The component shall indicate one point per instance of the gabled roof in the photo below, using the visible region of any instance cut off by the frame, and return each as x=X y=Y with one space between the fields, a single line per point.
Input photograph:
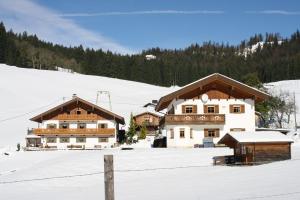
x=198 y=87
x=39 y=118
x=255 y=137
x=144 y=113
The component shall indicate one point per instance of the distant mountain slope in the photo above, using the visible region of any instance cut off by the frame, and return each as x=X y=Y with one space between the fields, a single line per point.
x=278 y=59
x=27 y=92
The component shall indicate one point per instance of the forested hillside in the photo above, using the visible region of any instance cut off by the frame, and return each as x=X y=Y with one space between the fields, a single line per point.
x=272 y=62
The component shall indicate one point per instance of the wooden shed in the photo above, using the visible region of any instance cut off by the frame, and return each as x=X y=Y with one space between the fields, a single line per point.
x=258 y=147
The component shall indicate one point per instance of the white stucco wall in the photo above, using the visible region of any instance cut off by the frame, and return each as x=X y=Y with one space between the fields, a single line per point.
x=232 y=120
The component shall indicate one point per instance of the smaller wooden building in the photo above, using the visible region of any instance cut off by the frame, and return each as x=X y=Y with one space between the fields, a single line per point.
x=258 y=147
x=150 y=120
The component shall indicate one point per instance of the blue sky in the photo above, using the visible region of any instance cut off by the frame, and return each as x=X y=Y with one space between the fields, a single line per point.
x=128 y=26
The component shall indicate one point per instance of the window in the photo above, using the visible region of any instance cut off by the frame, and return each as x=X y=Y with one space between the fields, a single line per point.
x=238 y=108
x=103 y=139
x=51 y=140
x=237 y=129
x=51 y=126
x=64 y=140
x=171 y=133
x=146 y=119
x=64 y=125
x=102 y=125
x=68 y=112
x=89 y=112
x=81 y=125
x=81 y=140
x=181 y=133
x=211 y=108
x=78 y=112
x=211 y=133
x=188 y=109
x=191 y=134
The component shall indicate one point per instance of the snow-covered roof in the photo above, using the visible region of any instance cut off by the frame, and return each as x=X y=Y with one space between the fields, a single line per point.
x=261 y=136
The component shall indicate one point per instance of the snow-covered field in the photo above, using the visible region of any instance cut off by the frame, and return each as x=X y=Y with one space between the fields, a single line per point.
x=153 y=173
x=176 y=174
x=27 y=92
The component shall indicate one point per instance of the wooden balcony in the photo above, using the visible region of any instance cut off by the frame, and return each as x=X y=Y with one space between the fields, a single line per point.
x=82 y=117
x=194 y=119
x=86 y=131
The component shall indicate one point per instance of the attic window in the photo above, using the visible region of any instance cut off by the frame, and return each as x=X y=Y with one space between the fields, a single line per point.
x=78 y=112
x=68 y=112
x=89 y=112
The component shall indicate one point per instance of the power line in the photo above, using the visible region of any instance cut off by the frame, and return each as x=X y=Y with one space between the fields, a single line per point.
x=29 y=112
x=268 y=196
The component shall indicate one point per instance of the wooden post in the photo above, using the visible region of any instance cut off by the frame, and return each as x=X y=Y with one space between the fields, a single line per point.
x=109 y=177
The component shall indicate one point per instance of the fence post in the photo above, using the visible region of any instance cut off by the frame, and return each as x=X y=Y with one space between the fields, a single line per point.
x=109 y=177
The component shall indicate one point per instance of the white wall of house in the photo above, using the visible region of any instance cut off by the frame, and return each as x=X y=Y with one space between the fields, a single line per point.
x=91 y=141
x=244 y=120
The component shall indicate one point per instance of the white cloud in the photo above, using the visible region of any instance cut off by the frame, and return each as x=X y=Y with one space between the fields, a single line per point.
x=21 y=15
x=274 y=12
x=145 y=12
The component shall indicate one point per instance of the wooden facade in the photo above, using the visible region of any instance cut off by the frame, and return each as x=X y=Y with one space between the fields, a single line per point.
x=258 y=151
x=150 y=120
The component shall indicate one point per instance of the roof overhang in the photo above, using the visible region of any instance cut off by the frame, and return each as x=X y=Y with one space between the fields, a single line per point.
x=39 y=118
x=198 y=87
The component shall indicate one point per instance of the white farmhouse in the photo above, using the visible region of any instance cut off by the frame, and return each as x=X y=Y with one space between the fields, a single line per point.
x=208 y=109
x=76 y=124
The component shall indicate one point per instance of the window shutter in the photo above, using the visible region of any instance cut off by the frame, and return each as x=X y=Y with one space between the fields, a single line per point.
x=217 y=132
x=230 y=108
x=216 y=108
x=205 y=132
x=242 y=108
x=194 y=108
x=205 y=109
x=183 y=109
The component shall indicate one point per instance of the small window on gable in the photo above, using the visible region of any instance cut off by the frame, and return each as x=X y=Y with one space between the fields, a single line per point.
x=89 y=112
x=64 y=125
x=78 y=112
x=82 y=125
x=102 y=125
x=68 y=112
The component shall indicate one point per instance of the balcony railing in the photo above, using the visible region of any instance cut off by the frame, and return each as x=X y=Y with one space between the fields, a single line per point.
x=86 y=117
x=85 y=131
x=194 y=119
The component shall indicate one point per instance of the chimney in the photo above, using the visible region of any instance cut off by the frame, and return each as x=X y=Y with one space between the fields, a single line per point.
x=74 y=96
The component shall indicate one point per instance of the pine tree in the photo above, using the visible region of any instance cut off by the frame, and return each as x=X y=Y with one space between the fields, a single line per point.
x=143 y=132
x=3 y=43
x=131 y=130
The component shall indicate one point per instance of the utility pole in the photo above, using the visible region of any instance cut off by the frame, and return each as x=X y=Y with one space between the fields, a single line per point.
x=295 y=112
x=109 y=177
x=108 y=94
